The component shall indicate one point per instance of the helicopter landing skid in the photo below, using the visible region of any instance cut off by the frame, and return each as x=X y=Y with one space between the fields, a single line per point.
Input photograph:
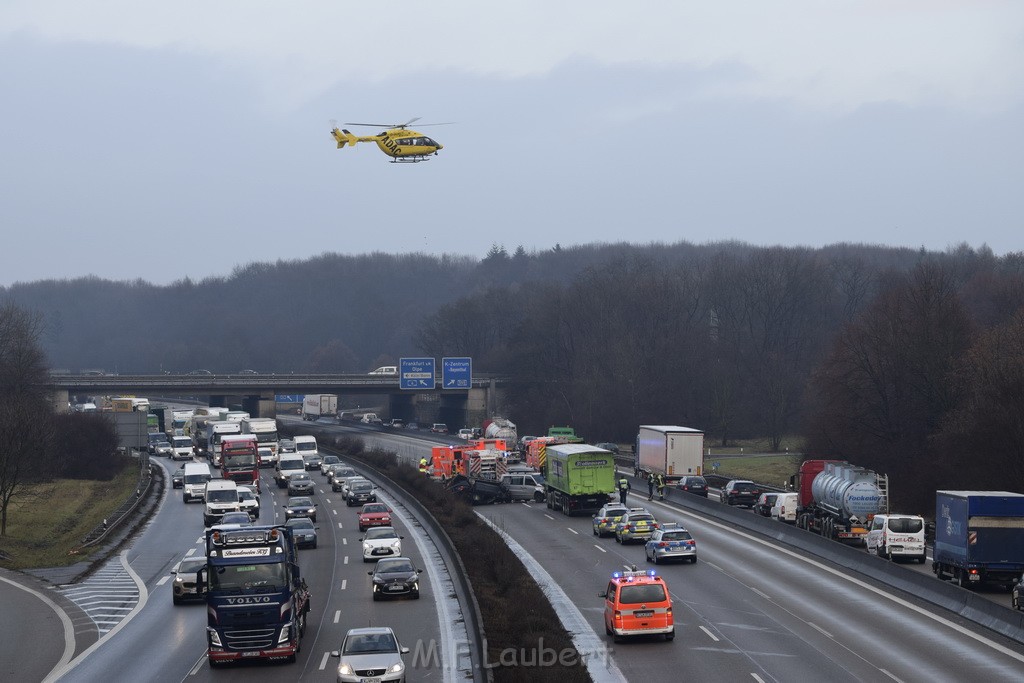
x=410 y=160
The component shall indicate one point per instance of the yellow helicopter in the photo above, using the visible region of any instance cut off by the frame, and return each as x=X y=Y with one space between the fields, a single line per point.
x=398 y=141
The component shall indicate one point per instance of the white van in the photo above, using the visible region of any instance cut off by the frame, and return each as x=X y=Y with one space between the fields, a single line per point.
x=390 y=370
x=194 y=481
x=287 y=465
x=784 y=509
x=181 y=448
x=221 y=497
x=894 y=536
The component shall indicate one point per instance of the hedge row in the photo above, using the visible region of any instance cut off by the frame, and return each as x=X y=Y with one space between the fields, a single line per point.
x=519 y=622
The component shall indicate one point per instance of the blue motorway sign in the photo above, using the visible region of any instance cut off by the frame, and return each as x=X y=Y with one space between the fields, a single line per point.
x=456 y=373
x=288 y=398
x=416 y=373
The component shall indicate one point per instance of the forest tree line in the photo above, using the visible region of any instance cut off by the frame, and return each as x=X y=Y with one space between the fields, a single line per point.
x=905 y=361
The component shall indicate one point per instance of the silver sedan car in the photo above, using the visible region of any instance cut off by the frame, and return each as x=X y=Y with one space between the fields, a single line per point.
x=671 y=542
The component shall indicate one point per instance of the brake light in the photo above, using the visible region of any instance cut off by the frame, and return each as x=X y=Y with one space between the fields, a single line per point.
x=626 y=527
x=663 y=544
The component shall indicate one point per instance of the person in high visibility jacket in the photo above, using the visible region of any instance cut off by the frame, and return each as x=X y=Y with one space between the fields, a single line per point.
x=423 y=465
x=623 y=489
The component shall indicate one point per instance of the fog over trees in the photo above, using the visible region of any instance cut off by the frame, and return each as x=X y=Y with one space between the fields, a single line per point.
x=909 y=362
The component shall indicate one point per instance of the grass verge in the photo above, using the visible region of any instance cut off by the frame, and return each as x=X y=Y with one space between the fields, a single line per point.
x=764 y=469
x=47 y=521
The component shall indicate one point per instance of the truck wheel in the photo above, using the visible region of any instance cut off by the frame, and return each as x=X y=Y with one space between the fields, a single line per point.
x=302 y=625
x=961 y=579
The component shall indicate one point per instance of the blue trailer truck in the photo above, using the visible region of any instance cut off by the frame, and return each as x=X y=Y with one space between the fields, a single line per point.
x=256 y=600
x=979 y=537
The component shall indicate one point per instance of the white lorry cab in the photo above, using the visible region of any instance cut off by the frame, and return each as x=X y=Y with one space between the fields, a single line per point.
x=181 y=448
x=194 y=481
x=221 y=497
x=287 y=465
x=896 y=536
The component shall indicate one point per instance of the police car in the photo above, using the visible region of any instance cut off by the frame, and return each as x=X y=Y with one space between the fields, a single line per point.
x=607 y=518
x=637 y=603
x=669 y=542
x=636 y=525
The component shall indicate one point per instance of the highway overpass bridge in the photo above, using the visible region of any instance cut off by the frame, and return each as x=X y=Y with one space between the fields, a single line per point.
x=256 y=393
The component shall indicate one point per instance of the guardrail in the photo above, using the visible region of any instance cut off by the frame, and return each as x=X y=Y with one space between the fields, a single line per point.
x=124 y=511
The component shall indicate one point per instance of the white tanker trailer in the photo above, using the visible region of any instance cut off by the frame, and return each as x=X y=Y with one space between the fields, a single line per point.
x=838 y=500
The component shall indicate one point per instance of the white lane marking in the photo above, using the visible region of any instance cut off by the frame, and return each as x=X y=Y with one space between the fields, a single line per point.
x=602 y=669
x=191 y=552
x=344 y=541
x=600 y=548
x=143 y=599
x=195 y=667
x=163 y=580
x=323 y=662
x=200 y=540
x=573 y=530
x=345 y=560
x=344 y=584
x=334 y=511
x=757 y=678
x=327 y=500
x=549 y=516
x=65 y=620
x=857 y=582
x=339 y=525
x=711 y=635
x=763 y=595
x=815 y=626
x=891 y=676
x=337 y=616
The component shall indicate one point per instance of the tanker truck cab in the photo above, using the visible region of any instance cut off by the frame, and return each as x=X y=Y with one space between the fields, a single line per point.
x=897 y=536
x=637 y=603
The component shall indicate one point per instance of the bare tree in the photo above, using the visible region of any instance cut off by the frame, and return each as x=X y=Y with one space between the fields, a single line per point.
x=24 y=407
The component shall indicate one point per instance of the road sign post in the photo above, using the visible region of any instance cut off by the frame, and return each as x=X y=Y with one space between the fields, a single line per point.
x=456 y=373
x=416 y=373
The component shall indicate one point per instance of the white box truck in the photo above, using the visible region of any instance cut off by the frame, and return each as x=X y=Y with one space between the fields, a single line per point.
x=315 y=406
x=265 y=430
x=670 y=451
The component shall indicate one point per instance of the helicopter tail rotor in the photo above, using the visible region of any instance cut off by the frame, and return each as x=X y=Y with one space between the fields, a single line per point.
x=344 y=137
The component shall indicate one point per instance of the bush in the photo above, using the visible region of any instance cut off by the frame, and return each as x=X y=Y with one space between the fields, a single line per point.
x=85 y=447
x=516 y=615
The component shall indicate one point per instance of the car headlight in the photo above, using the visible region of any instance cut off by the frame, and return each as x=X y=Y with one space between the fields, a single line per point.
x=396 y=545
x=310 y=510
x=345 y=670
x=214 y=638
x=286 y=632
x=395 y=668
x=366 y=546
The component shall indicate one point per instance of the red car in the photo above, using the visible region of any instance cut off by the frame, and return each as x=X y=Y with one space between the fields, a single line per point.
x=374 y=514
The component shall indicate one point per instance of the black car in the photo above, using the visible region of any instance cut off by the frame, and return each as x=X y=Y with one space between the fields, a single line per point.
x=303 y=531
x=740 y=492
x=765 y=503
x=608 y=446
x=696 y=485
x=395 y=576
x=300 y=506
x=360 y=492
x=178 y=478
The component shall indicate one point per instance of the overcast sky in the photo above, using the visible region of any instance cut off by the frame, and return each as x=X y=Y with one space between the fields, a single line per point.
x=160 y=140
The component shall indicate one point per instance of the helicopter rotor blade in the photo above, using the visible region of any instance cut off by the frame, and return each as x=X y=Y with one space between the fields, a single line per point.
x=371 y=125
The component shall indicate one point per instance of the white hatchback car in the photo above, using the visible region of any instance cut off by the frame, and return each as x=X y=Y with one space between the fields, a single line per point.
x=381 y=541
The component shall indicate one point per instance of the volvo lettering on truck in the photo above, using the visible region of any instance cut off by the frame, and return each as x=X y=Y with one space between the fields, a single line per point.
x=256 y=599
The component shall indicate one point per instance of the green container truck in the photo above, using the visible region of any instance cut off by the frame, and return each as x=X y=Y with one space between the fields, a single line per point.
x=579 y=478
